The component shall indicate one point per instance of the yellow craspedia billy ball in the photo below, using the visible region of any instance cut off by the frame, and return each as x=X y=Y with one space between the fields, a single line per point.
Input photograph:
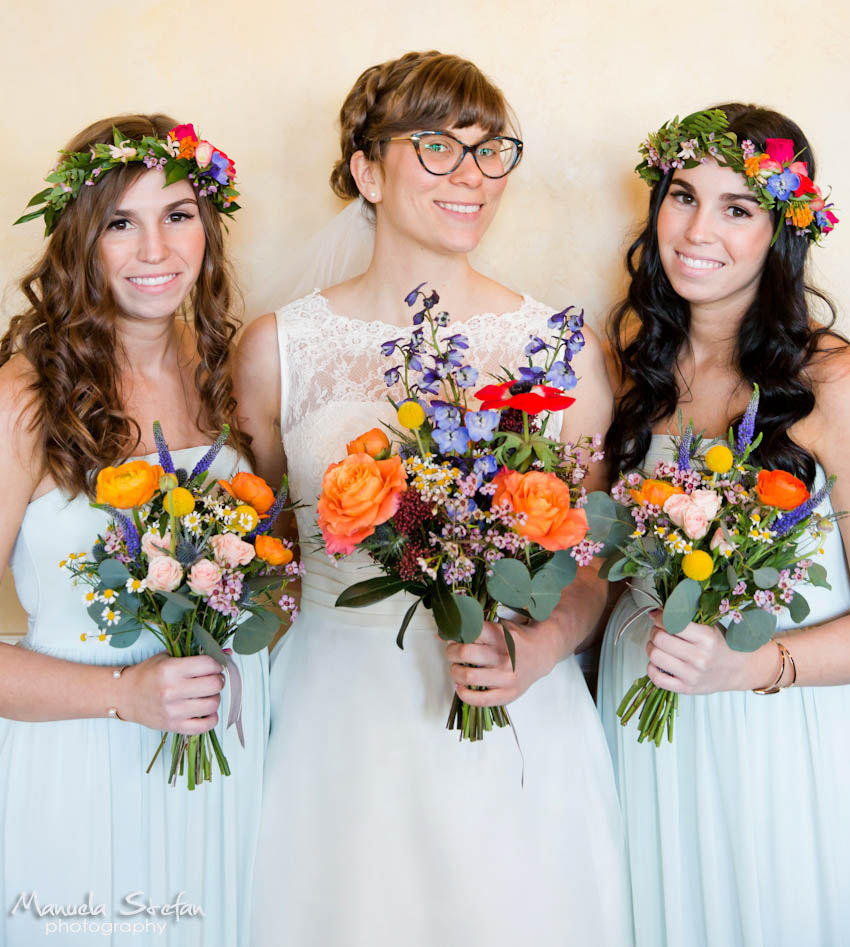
x=246 y=518
x=179 y=502
x=698 y=565
x=719 y=459
x=411 y=415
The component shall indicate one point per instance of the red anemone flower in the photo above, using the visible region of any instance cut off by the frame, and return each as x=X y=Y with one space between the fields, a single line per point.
x=523 y=396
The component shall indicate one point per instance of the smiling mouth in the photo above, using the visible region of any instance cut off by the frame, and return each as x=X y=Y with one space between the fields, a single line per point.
x=697 y=264
x=459 y=208
x=152 y=280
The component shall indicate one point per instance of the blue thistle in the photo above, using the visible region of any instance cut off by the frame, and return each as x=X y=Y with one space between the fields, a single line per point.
x=272 y=513
x=203 y=465
x=748 y=422
x=128 y=528
x=683 y=461
x=164 y=453
x=785 y=523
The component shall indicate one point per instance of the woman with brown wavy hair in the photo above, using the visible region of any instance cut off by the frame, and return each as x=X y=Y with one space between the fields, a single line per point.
x=128 y=321
x=378 y=827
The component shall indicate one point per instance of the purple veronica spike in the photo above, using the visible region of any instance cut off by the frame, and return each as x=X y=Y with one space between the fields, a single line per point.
x=748 y=422
x=684 y=460
x=128 y=528
x=272 y=513
x=165 y=460
x=785 y=523
x=203 y=465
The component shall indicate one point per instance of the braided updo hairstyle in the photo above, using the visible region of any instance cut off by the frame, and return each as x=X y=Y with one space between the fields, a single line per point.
x=418 y=91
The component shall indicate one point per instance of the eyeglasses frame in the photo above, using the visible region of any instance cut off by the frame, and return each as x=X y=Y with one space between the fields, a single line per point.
x=415 y=136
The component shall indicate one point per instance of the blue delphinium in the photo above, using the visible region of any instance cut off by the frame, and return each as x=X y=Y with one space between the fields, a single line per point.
x=466 y=377
x=783 y=185
x=560 y=375
x=455 y=440
x=413 y=295
x=482 y=425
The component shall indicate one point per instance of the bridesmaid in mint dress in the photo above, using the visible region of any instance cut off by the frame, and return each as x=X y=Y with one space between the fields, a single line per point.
x=738 y=832
x=97 y=357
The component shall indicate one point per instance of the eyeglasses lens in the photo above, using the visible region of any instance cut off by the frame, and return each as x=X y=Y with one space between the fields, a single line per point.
x=440 y=154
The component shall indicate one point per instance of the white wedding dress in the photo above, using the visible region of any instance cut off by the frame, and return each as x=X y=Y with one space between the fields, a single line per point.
x=82 y=822
x=738 y=831
x=379 y=827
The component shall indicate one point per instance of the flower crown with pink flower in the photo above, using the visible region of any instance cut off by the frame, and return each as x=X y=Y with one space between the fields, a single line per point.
x=181 y=155
x=777 y=179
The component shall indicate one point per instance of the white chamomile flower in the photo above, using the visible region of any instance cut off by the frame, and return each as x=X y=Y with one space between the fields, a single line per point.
x=226 y=515
x=107 y=596
x=110 y=616
x=193 y=522
x=90 y=597
x=135 y=585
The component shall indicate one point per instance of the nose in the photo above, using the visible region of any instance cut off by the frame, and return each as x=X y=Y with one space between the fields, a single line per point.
x=700 y=225
x=467 y=172
x=153 y=247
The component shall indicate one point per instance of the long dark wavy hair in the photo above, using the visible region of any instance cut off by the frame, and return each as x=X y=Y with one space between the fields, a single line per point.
x=776 y=342
x=68 y=333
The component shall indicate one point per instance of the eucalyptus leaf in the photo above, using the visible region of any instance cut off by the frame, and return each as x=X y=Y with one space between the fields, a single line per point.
x=562 y=566
x=681 y=606
x=471 y=617
x=608 y=522
x=172 y=613
x=766 y=577
x=799 y=608
x=608 y=565
x=817 y=576
x=113 y=573
x=128 y=602
x=445 y=611
x=256 y=633
x=366 y=593
x=755 y=628
x=510 y=583
x=125 y=637
x=179 y=600
x=209 y=644
x=545 y=595
x=617 y=570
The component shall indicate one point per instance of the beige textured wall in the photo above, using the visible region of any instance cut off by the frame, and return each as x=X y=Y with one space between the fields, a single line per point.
x=265 y=78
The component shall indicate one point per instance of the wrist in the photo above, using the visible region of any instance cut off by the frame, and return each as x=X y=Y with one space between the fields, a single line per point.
x=117 y=705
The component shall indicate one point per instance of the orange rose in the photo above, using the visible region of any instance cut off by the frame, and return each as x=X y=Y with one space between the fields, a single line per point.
x=656 y=492
x=358 y=494
x=272 y=551
x=250 y=489
x=545 y=499
x=374 y=443
x=129 y=485
x=780 y=489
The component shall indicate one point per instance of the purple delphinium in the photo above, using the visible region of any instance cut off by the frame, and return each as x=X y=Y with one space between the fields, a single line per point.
x=165 y=460
x=412 y=296
x=203 y=465
x=531 y=374
x=748 y=422
x=535 y=345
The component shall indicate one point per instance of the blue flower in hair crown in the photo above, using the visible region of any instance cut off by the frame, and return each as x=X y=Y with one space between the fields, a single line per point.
x=181 y=155
x=778 y=180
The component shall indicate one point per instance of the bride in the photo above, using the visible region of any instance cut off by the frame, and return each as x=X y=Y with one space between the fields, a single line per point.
x=379 y=827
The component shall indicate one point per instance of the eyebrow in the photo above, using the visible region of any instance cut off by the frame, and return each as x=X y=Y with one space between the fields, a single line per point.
x=168 y=208
x=723 y=197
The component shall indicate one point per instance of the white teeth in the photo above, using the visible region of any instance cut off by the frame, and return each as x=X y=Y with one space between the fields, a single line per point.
x=699 y=264
x=152 y=280
x=460 y=208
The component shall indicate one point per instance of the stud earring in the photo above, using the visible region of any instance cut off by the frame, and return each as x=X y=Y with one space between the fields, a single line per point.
x=373 y=195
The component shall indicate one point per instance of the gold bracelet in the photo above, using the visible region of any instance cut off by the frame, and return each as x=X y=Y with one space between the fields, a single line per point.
x=112 y=712
x=775 y=687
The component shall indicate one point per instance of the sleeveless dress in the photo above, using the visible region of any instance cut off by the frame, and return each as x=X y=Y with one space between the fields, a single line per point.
x=379 y=827
x=82 y=823
x=738 y=832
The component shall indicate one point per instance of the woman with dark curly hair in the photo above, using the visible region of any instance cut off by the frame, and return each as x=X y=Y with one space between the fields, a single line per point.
x=738 y=830
x=129 y=321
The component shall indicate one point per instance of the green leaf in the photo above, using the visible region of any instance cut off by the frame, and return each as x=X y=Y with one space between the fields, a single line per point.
x=709 y=601
x=209 y=644
x=720 y=580
x=113 y=573
x=798 y=609
x=366 y=593
x=681 y=606
x=755 y=628
x=731 y=577
x=510 y=583
x=31 y=216
x=617 y=571
x=545 y=595
x=405 y=622
x=445 y=611
x=766 y=577
x=561 y=567
x=256 y=633
x=471 y=616
x=259 y=582
x=510 y=644
x=817 y=576
x=175 y=171
x=128 y=602
x=608 y=522
x=608 y=565
x=125 y=637
x=172 y=613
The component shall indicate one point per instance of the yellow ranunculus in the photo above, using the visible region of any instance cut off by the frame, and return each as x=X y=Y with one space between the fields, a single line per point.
x=411 y=415
x=719 y=459
x=179 y=502
x=698 y=565
x=128 y=485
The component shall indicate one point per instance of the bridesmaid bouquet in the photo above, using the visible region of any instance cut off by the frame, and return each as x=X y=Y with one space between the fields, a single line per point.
x=472 y=506
x=714 y=540
x=188 y=558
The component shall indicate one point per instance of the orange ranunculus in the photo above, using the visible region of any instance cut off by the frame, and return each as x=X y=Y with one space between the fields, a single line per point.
x=781 y=489
x=272 y=551
x=656 y=492
x=250 y=489
x=545 y=499
x=374 y=443
x=128 y=485
x=358 y=494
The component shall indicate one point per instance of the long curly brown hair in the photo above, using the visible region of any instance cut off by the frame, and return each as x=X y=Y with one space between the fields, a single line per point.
x=68 y=334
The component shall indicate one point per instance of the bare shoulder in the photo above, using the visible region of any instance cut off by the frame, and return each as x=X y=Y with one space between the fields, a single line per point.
x=19 y=437
x=258 y=341
x=829 y=372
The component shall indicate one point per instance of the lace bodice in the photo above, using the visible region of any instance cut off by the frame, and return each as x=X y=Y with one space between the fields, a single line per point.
x=332 y=379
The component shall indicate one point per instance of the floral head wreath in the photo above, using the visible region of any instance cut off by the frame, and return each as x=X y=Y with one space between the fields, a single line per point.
x=181 y=155
x=778 y=181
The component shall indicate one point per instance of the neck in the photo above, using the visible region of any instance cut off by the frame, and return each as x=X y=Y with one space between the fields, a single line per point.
x=713 y=332
x=149 y=347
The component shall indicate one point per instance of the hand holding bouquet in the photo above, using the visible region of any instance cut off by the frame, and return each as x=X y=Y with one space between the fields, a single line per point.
x=718 y=540
x=473 y=506
x=189 y=559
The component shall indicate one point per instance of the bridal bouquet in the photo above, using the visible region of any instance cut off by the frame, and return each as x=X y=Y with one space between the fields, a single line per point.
x=712 y=539
x=472 y=506
x=188 y=558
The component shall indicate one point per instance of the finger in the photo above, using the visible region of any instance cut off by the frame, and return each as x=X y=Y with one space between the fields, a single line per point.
x=670 y=665
x=199 y=665
x=490 y=698
x=197 y=707
x=192 y=725
x=208 y=686
x=479 y=677
x=670 y=644
x=491 y=634
x=665 y=681
x=484 y=655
